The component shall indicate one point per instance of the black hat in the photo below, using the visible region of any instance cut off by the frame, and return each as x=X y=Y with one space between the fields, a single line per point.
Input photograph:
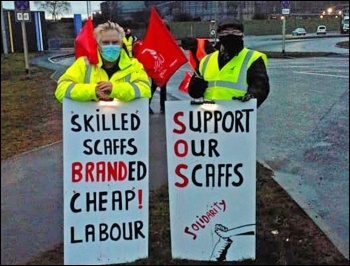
x=230 y=23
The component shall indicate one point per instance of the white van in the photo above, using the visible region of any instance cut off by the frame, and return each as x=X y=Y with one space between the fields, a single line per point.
x=321 y=29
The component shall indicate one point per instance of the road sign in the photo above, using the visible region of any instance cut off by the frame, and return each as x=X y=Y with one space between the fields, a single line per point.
x=22 y=11
x=212 y=32
x=285 y=11
x=22 y=6
x=285 y=4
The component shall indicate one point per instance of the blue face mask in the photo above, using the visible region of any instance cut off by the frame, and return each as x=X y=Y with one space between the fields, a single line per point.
x=110 y=52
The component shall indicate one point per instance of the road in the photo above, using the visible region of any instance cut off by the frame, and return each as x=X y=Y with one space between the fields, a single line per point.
x=298 y=44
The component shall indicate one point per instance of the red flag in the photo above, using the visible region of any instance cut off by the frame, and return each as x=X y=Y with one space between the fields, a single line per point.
x=160 y=54
x=85 y=43
x=185 y=82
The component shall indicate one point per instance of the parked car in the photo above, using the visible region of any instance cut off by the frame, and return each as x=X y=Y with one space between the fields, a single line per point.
x=321 y=29
x=299 y=31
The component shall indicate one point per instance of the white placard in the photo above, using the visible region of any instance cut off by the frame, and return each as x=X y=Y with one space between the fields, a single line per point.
x=106 y=182
x=211 y=152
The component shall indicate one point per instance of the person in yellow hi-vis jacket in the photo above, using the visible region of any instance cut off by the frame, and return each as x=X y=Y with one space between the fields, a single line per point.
x=115 y=76
x=129 y=40
x=234 y=71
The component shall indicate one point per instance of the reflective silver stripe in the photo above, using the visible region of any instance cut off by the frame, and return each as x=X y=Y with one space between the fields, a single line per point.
x=136 y=90
x=228 y=84
x=88 y=71
x=244 y=69
x=205 y=63
x=135 y=86
x=86 y=79
x=64 y=80
x=240 y=84
x=68 y=90
x=148 y=83
x=128 y=78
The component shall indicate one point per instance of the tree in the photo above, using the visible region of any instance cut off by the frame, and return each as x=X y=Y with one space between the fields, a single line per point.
x=54 y=8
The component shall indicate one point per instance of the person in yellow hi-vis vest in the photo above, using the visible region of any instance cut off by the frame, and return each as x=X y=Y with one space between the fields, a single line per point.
x=234 y=72
x=115 y=76
x=129 y=40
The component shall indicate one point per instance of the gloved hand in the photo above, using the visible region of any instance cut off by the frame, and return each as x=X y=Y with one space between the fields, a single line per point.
x=244 y=98
x=247 y=97
x=197 y=86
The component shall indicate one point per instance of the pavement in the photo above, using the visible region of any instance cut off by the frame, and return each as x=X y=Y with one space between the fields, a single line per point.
x=30 y=225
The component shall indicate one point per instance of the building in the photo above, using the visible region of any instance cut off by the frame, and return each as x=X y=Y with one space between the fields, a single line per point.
x=198 y=10
x=214 y=10
x=121 y=10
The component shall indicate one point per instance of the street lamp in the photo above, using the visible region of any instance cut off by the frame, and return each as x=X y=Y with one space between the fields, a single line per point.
x=329 y=10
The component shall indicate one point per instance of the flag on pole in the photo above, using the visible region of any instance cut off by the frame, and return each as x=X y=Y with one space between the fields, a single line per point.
x=159 y=53
x=85 y=43
x=183 y=87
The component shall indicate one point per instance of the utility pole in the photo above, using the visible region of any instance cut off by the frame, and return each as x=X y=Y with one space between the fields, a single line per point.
x=285 y=6
x=4 y=35
x=88 y=8
x=25 y=47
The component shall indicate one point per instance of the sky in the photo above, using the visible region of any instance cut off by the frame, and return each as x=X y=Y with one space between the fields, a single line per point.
x=78 y=7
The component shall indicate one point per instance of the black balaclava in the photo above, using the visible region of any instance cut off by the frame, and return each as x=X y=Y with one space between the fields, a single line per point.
x=232 y=44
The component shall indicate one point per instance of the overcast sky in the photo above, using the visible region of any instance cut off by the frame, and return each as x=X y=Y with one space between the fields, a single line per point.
x=78 y=7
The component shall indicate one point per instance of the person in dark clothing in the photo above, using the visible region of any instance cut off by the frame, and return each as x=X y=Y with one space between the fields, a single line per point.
x=197 y=52
x=162 y=95
x=163 y=89
x=233 y=72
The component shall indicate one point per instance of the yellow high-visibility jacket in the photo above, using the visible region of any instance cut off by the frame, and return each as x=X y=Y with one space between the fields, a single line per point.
x=80 y=80
x=231 y=80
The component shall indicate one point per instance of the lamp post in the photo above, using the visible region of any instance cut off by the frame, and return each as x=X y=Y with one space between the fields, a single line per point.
x=283 y=34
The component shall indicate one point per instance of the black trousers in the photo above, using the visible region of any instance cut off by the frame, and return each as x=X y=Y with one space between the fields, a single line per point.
x=162 y=94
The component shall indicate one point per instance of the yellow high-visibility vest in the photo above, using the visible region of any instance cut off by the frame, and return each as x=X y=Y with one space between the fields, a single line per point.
x=128 y=44
x=231 y=80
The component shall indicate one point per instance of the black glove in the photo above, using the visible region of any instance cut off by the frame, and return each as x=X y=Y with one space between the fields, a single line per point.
x=197 y=86
x=247 y=97
x=244 y=98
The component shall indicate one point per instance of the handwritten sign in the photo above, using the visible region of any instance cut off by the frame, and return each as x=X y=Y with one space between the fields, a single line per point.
x=211 y=152
x=105 y=154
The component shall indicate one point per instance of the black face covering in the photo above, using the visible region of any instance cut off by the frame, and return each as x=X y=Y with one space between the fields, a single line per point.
x=232 y=44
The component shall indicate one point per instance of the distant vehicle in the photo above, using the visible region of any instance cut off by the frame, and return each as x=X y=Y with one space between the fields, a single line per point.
x=345 y=26
x=321 y=29
x=344 y=21
x=299 y=31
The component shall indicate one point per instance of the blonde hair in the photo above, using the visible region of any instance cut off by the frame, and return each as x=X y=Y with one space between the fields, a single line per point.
x=109 y=26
